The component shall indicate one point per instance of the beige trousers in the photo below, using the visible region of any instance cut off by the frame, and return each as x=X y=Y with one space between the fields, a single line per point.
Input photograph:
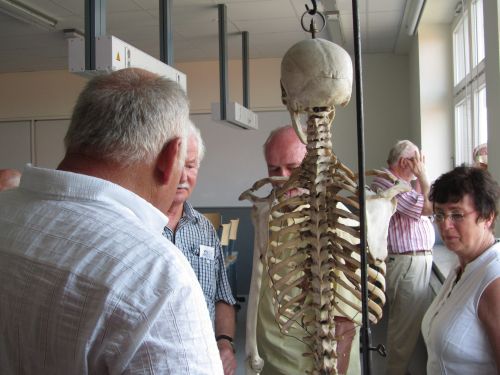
x=408 y=297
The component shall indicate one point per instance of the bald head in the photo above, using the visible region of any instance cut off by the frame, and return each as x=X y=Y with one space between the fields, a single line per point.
x=9 y=178
x=283 y=151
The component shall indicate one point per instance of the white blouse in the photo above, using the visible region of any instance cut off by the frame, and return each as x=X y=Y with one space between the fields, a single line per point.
x=455 y=338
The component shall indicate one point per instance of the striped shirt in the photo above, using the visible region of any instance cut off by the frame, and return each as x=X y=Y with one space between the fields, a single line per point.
x=198 y=240
x=408 y=230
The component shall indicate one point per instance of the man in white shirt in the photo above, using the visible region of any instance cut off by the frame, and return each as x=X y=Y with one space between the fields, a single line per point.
x=88 y=284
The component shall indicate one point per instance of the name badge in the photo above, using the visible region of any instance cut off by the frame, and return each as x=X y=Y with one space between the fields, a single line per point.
x=207 y=252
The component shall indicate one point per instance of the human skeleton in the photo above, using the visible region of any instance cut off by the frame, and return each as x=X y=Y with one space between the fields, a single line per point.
x=312 y=253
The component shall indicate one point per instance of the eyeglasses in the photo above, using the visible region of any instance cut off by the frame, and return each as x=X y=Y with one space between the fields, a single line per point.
x=455 y=217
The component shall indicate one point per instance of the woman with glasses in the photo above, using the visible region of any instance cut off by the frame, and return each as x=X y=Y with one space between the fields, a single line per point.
x=461 y=328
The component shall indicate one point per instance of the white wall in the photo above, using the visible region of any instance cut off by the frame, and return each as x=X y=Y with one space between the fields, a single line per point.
x=436 y=102
x=37 y=95
x=431 y=101
x=387 y=105
x=414 y=87
x=203 y=84
x=234 y=157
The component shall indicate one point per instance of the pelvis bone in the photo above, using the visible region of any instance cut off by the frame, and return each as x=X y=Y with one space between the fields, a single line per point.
x=312 y=252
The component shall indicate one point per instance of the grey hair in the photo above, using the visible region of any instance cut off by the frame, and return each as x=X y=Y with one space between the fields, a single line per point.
x=277 y=131
x=195 y=132
x=402 y=148
x=128 y=116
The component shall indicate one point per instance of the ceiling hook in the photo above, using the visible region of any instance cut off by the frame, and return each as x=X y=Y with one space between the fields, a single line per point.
x=314 y=9
x=312 y=27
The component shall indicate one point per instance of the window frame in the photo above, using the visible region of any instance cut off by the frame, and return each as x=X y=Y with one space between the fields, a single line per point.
x=470 y=128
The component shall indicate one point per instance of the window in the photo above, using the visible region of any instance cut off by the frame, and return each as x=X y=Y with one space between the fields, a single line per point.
x=460 y=49
x=469 y=82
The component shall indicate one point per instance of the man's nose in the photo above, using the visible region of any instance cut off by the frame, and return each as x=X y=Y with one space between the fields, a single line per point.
x=183 y=174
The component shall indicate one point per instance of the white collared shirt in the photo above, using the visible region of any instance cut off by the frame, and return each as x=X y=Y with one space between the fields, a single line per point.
x=89 y=285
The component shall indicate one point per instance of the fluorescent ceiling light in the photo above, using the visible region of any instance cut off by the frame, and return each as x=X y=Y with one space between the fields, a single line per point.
x=27 y=14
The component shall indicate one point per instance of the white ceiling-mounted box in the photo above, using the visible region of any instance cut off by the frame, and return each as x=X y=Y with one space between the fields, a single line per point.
x=115 y=54
x=236 y=114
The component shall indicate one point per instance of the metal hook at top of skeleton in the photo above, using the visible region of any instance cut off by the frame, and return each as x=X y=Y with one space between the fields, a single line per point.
x=313 y=11
x=312 y=25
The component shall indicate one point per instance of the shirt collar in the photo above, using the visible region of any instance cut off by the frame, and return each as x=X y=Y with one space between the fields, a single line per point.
x=189 y=212
x=75 y=186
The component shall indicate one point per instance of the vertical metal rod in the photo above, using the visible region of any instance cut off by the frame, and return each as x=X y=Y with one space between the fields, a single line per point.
x=223 y=59
x=95 y=26
x=166 y=43
x=365 y=329
x=245 y=58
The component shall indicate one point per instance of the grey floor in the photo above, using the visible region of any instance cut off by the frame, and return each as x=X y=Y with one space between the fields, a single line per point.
x=417 y=366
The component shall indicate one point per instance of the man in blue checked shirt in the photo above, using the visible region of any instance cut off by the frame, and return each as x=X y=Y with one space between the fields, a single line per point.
x=191 y=232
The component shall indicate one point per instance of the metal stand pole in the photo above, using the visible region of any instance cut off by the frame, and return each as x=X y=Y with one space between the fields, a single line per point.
x=365 y=328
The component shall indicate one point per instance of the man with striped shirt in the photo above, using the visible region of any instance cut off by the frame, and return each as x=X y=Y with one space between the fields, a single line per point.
x=410 y=241
x=195 y=236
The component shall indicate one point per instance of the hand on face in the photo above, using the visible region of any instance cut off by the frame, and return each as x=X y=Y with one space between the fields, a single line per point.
x=417 y=164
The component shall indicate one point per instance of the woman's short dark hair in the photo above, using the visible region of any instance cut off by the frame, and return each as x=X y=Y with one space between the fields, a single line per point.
x=478 y=183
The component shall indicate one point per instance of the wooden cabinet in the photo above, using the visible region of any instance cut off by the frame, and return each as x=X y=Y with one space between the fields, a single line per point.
x=15 y=144
x=39 y=142
x=49 y=142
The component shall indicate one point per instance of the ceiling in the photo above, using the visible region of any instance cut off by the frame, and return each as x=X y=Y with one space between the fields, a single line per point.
x=273 y=26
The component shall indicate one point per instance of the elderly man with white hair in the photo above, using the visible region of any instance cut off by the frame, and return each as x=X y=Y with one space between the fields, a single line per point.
x=193 y=233
x=410 y=241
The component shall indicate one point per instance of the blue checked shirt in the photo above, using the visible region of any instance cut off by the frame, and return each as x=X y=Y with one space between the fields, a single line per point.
x=193 y=232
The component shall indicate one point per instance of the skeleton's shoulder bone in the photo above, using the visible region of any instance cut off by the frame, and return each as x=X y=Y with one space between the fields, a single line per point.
x=380 y=206
x=399 y=187
x=250 y=194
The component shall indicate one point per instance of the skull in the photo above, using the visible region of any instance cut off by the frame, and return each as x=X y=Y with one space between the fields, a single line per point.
x=315 y=73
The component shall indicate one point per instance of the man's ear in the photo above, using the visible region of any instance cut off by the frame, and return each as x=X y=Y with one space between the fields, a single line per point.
x=489 y=221
x=402 y=163
x=168 y=161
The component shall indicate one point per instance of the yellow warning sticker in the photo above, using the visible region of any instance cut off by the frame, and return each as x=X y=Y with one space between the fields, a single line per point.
x=118 y=56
